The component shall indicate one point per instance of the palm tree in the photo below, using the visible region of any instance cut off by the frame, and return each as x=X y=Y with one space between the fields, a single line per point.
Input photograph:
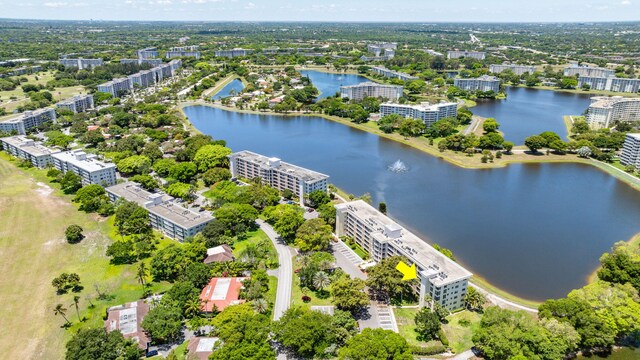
x=192 y=308
x=60 y=310
x=321 y=280
x=325 y=265
x=260 y=305
x=142 y=273
x=76 y=300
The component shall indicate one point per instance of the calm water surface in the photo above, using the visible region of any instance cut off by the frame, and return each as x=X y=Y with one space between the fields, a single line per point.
x=329 y=84
x=234 y=86
x=528 y=112
x=622 y=354
x=534 y=230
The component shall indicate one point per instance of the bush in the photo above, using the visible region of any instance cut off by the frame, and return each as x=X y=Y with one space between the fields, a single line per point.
x=428 y=350
x=73 y=234
x=306 y=298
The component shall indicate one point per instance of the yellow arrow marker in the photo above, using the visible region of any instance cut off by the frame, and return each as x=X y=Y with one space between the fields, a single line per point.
x=408 y=272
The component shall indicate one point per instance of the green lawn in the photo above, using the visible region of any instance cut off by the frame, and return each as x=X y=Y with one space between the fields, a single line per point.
x=317 y=298
x=42 y=79
x=253 y=238
x=33 y=251
x=459 y=335
x=407 y=327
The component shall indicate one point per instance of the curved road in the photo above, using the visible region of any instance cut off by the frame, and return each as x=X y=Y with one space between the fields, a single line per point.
x=285 y=270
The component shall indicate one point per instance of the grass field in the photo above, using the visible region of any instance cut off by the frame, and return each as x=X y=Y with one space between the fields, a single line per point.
x=41 y=79
x=407 y=327
x=317 y=298
x=33 y=251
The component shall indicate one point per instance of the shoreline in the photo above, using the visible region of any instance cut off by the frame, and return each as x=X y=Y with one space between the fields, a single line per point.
x=478 y=280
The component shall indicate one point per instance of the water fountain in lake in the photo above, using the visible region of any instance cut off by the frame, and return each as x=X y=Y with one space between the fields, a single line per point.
x=398 y=167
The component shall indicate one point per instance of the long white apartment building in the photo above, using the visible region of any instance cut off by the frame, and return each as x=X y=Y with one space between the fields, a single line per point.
x=27 y=120
x=631 y=151
x=81 y=63
x=24 y=148
x=87 y=166
x=482 y=83
x=277 y=173
x=604 y=111
x=429 y=113
x=183 y=51
x=610 y=83
x=152 y=62
x=165 y=213
x=77 y=104
x=456 y=54
x=143 y=79
x=517 y=69
x=116 y=87
x=379 y=48
x=442 y=280
x=371 y=89
x=231 y=53
x=381 y=70
x=148 y=53
x=575 y=69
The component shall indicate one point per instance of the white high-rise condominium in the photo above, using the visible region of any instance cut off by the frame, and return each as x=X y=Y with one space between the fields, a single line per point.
x=605 y=111
x=575 y=69
x=371 y=89
x=517 y=69
x=456 y=54
x=631 y=151
x=482 y=83
x=429 y=113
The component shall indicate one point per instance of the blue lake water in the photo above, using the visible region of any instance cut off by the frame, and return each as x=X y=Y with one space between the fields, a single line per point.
x=528 y=112
x=535 y=230
x=234 y=87
x=329 y=84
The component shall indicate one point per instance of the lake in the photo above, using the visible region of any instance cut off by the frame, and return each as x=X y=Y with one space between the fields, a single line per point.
x=534 y=230
x=527 y=112
x=234 y=87
x=329 y=84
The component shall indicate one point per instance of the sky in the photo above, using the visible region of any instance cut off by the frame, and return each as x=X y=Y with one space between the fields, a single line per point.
x=323 y=10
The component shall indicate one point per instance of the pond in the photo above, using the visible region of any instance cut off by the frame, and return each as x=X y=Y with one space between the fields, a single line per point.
x=329 y=84
x=234 y=87
x=534 y=230
x=527 y=112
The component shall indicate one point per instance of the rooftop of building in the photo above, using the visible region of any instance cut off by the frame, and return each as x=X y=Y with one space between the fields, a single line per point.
x=20 y=116
x=483 y=78
x=127 y=319
x=30 y=146
x=87 y=162
x=220 y=253
x=274 y=163
x=415 y=249
x=634 y=136
x=370 y=83
x=160 y=204
x=424 y=106
x=201 y=347
x=221 y=292
x=608 y=101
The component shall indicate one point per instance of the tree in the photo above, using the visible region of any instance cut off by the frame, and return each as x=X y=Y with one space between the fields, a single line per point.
x=313 y=235
x=473 y=299
x=318 y=198
x=558 y=146
x=376 y=344
x=321 y=280
x=327 y=212
x=584 y=152
x=244 y=334
x=76 y=301
x=163 y=323
x=384 y=278
x=131 y=218
x=93 y=137
x=163 y=166
x=181 y=190
x=620 y=267
x=490 y=125
x=141 y=273
x=70 y=182
x=349 y=294
x=427 y=324
x=211 y=156
x=167 y=263
x=286 y=219
x=389 y=122
x=214 y=233
x=62 y=311
x=98 y=344
x=306 y=332
x=382 y=207
x=57 y=138
x=91 y=198
x=74 y=234
x=238 y=218
x=535 y=143
x=580 y=127
x=122 y=252
x=146 y=181
x=507 y=146
x=215 y=175
x=412 y=127
x=261 y=305
x=135 y=164
x=183 y=172
x=492 y=140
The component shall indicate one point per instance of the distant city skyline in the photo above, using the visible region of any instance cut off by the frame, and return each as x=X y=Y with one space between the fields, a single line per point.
x=319 y=10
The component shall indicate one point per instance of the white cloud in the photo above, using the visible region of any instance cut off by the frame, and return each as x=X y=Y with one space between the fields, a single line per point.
x=56 y=4
x=250 y=6
x=625 y=2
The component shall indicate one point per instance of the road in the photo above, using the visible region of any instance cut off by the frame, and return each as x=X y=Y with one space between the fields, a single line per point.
x=475 y=121
x=285 y=271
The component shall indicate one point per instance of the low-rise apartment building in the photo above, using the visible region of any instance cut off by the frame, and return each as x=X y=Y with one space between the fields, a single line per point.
x=604 y=111
x=77 y=104
x=381 y=70
x=482 y=83
x=233 y=53
x=24 y=148
x=631 y=151
x=575 y=69
x=87 y=166
x=517 y=69
x=165 y=213
x=276 y=173
x=442 y=280
x=371 y=89
x=429 y=113
x=456 y=54
x=21 y=123
x=81 y=63
x=610 y=83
